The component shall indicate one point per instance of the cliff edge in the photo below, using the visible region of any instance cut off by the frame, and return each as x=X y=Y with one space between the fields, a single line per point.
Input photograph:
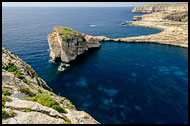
x=27 y=99
x=150 y=8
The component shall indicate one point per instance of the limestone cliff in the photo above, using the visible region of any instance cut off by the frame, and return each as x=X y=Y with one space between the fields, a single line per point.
x=66 y=44
x=161 y=7
x=173 y=23
x=27 y=99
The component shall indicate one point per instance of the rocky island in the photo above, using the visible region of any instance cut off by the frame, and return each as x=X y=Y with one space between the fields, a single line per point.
x=66 y=44
x=27 y=99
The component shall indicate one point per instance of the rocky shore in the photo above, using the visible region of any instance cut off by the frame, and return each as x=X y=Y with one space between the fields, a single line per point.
x=27 y=99
x=173 y=23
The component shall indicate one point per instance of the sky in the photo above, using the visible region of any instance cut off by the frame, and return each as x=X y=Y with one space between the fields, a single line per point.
x=78 y=4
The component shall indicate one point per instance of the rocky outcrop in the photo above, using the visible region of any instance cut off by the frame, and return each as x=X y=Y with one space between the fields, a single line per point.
x=23 y=71
x=161 y=7
x=27 y=99
x=66 y=44
x=181 y=16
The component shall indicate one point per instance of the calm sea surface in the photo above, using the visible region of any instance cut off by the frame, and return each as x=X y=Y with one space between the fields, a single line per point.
x=118 y=83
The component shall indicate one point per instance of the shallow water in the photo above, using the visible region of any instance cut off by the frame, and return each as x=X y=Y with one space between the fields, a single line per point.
x=118 y=83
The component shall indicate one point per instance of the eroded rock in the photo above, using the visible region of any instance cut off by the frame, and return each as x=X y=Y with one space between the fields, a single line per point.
x=66 y=44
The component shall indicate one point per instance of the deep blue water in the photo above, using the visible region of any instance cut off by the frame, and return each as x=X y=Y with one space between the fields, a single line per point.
x=118 y=83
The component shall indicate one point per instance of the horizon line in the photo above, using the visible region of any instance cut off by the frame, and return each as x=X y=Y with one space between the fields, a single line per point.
x=68 y=6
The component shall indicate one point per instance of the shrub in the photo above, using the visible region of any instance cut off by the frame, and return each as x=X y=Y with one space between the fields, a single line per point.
x=6 y=114
x=57 y=117
x=27 y=109
x=19 y=74
x=59 y=109
x=28 y=82
x=47 y=101
x=5 y=99
x=67 y=120
x=12 y=68
x=5 y=92
x=26 y=91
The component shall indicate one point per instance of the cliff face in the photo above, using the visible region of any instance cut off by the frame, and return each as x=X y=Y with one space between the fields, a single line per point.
x=27 y=99
x=161 y=7
x=181 y=16
x=66 y=44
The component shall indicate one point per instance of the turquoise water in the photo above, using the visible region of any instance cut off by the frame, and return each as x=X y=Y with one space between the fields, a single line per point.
x=118 y=83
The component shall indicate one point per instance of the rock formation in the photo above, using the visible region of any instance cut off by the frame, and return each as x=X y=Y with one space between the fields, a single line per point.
x=161 y=7
x=27 y=99
x=66 y=44
x=181 y=16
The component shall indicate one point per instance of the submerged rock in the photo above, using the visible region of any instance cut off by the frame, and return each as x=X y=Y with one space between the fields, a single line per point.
x=66 y=44
x=123 y=23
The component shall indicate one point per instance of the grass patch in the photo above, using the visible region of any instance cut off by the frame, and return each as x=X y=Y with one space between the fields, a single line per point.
x=27 y=109
x=3 y=66
x=6 y=92
x=12 y=68
x=19 y=75
x=5 y=99
x=46 y=101
x=26 y=91
x=67 y=120
x=6 y=114
x=66 y=32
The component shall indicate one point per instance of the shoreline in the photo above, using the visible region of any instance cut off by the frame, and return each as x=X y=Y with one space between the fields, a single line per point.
x=172 y=32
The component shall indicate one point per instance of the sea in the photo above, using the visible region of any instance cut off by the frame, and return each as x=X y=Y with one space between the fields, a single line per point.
x=120 y=83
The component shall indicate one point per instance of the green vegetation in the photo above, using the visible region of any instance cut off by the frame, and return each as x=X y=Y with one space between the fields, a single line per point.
x=12 y=68
x=6 y=114
x=69 y=104
x=47 y=101
x=31 y=72
x=28 y=82
x=27 y=109
x=5 y=99
x=19 y=74
x=5 y=92
x=67 y=123
x=3 y=66
x=66 y=32
x=67 y=120
x=26 y=91
x=59 y=109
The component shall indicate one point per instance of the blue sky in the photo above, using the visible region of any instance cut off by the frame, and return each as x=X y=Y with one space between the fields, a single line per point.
x=78 y=4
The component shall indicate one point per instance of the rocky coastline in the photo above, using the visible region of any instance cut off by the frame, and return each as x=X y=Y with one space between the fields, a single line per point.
x=173 y=23
x=27 y=99
x=150 y=8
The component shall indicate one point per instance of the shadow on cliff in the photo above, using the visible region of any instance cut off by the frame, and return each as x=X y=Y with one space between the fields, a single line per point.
x=83 y=57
